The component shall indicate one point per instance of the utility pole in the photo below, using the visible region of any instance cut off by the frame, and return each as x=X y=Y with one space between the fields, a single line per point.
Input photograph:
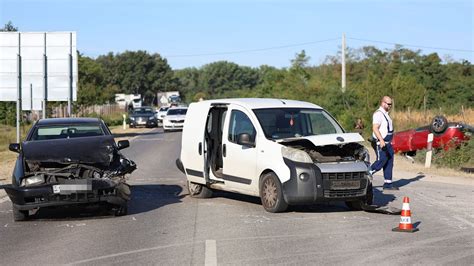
x=69 y=99
x=45 y=78
x=18 y=100
x=343 y=63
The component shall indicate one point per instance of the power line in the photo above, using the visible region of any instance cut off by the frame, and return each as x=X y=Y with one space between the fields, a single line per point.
x=412 y=45
x=255 y=50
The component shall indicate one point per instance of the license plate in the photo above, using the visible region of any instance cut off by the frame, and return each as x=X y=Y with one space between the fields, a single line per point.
x=71 y=188
x=345 y=184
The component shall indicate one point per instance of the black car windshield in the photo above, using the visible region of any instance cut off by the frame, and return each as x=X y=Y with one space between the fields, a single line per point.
x=66 y=131
x=176 y=111
x=143 y=111
x=279 y=123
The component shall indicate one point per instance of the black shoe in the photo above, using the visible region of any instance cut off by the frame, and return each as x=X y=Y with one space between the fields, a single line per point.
x=389 y=186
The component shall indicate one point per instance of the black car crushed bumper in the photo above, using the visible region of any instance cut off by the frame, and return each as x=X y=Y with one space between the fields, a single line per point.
x=78 y=191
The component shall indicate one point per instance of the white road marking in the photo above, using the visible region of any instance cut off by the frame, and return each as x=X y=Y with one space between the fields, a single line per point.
x=211 y=253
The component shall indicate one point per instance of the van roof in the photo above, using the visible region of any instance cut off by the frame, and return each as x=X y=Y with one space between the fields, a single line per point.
x=260 y=103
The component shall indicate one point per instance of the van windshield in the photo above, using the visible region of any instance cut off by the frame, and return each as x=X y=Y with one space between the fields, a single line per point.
x=280 y=123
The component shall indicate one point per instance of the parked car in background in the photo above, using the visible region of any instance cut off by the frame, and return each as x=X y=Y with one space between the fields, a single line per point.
x=69 y=161
x=445 y=136
x=143 y=116
x=161 y=113
x=174 y=119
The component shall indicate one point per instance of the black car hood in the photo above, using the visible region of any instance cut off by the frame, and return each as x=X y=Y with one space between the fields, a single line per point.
x=87 y=150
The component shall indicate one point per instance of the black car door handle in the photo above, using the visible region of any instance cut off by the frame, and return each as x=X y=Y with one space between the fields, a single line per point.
x=200 y=148
x=223 y=150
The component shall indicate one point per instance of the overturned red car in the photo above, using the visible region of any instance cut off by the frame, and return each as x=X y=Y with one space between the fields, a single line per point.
x=446 y=136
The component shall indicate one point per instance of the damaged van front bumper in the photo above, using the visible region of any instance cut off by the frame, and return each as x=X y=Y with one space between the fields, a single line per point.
x=323 y=182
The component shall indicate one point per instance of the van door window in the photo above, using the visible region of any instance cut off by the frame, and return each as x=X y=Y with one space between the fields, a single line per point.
x=240 y=123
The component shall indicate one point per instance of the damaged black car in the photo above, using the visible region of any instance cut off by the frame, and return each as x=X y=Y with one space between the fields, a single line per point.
x=69 y=161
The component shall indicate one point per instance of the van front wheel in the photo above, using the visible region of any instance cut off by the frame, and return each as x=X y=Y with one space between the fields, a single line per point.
x=199 y=191
x=271 y=194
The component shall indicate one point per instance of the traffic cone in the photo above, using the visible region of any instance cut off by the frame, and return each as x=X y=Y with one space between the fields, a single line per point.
x=405 y=219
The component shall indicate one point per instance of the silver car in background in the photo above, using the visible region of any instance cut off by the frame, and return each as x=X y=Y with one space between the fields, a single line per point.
x=174 y=119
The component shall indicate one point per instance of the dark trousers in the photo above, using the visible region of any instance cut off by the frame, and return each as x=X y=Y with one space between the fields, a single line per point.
x=384 y=158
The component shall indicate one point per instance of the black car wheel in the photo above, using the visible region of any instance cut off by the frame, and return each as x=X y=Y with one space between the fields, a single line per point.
x=439 y=124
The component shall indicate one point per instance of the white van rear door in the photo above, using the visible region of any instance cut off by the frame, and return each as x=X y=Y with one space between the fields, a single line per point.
x=192 y=142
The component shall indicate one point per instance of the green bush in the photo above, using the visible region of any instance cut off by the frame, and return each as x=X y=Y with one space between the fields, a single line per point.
x=453 y=158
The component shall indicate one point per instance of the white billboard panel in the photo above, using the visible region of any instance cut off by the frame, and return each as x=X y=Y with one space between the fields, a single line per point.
x=32 y=46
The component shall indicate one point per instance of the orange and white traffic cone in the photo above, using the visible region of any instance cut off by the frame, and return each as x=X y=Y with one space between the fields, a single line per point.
x=405 y=219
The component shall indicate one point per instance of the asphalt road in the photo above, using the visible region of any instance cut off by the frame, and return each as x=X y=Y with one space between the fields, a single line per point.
x=165 y=226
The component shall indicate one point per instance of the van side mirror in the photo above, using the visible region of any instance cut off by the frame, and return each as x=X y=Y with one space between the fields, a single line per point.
x=14 y=147
x=122 y=144
x=244 y=139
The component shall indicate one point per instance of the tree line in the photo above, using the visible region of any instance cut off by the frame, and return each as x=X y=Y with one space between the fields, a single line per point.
x=415 y=80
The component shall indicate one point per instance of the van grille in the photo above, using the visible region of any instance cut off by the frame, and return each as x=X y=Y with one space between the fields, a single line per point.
x=343 y=176
x=343 y=193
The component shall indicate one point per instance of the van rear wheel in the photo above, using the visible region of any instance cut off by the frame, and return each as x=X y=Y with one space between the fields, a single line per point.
x=271 y=194
x=199 y=191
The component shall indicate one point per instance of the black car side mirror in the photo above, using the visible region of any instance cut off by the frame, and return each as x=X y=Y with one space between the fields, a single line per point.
x=14 y=147
x=122 y=144
x=244 y=139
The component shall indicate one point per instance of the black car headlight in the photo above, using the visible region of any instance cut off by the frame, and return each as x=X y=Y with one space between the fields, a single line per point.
x=32 y=180
x=151 y=118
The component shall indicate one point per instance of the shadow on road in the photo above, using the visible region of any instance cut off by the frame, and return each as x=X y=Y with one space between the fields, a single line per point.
x=404 y=182
x=145 y=198
x=326 y=207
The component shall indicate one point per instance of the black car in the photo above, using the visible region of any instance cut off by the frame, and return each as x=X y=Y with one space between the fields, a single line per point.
x=69 y=161
x=143 y=116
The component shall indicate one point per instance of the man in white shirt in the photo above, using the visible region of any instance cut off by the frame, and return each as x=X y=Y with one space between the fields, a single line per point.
x=382 y=128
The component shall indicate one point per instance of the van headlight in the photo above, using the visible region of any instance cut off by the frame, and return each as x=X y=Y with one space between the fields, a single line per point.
x=295 y=155
x=151 y=118
x=32 y=180
x=132 y=118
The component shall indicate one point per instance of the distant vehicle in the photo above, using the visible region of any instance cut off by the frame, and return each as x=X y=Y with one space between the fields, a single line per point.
x=168 y=97
x=69 y=161
x=174 y=118
x=446 y=136
x=161 y=113
x=129 y=100
x=143 y=116
x=285 y=152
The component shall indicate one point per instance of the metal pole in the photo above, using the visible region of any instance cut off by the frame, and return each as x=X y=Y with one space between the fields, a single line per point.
x=45 y=79
x=69 y=100
x=343 y=63
x=31 y=98
x=18 y=100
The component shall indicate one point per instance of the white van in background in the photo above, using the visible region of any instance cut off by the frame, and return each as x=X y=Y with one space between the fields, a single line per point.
x=283 y=151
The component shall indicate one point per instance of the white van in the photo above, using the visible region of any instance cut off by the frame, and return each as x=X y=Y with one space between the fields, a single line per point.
x=283 y=151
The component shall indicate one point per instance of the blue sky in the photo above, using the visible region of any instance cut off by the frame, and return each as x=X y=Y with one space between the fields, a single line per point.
x=194 y=33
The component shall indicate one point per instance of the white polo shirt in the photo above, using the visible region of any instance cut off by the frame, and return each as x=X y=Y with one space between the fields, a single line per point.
x=379 y=119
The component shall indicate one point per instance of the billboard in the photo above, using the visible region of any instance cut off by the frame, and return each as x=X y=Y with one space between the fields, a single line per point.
x=37 y=49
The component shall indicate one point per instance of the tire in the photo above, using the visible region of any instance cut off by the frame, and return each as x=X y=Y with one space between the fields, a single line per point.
x=358 y=204
x=199 y=191
x=271 y=194
x=19 y=215
x=121 y=210
x=439 y=124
